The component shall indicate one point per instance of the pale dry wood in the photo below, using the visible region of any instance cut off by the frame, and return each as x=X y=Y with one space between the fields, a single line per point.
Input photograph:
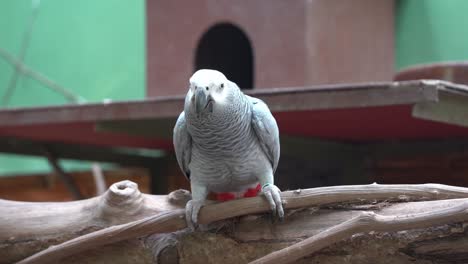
x=303 y=223
x=366 y=222
x=163 y=221
x=121 y=203
x=254 y=236
x=333 y=195
x=99 y=179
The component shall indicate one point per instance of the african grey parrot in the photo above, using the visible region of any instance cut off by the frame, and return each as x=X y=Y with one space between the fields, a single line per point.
x=226 y=141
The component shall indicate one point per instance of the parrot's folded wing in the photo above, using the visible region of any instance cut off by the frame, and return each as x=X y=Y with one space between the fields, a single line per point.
x=183 y=145
x=266 y=129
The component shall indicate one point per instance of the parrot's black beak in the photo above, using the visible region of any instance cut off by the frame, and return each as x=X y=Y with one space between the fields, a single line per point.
x=201 y=100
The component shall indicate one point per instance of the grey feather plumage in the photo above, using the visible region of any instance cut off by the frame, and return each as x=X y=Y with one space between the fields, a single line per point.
x=266 y=129
x=226 y=141
x=182 y=145
x=225 y=149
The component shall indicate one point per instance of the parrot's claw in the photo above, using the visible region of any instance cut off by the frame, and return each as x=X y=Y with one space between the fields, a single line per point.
x=272 y=194
x=191 y=213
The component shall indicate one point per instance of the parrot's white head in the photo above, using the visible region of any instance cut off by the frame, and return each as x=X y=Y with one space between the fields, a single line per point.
x=208 y=90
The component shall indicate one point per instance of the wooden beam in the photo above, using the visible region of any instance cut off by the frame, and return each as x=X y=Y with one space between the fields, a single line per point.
x=451 y=108
x=319 y=97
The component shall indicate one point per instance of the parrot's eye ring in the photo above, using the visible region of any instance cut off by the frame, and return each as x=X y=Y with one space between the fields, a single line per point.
x=207 y=88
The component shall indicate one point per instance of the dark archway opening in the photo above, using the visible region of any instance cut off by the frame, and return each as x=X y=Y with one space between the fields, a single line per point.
x=226 y=48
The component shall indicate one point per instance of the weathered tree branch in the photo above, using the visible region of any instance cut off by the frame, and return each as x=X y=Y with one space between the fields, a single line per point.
x=121 y=203
x=366 y=222
x=28 y=227
x=163 y=216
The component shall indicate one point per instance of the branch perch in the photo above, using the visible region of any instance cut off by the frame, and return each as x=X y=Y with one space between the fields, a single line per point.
x=171 y=219
x=365 y=222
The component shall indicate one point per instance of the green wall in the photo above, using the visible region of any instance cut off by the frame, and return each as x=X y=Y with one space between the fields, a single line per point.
x=95 y=48
x=430 y=31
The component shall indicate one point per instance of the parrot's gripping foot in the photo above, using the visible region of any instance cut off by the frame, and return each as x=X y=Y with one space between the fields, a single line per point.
x=272 y=194
x=191 y=213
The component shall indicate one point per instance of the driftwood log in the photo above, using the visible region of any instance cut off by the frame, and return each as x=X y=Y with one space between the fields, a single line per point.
x=343 y=224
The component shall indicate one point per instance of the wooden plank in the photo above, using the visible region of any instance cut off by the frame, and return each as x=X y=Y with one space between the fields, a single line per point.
x=279 y=99
x=296 y=99
x=350 y=96
x=451 y=108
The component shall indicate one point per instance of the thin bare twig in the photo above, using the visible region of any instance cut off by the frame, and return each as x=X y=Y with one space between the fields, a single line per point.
x=22 y=54
x=24 y=69
x=174 y=220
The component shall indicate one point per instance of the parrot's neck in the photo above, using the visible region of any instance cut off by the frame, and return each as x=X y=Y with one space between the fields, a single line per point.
x=225 y=123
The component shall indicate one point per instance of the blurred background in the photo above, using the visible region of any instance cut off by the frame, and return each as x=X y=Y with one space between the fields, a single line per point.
x=63 y=53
